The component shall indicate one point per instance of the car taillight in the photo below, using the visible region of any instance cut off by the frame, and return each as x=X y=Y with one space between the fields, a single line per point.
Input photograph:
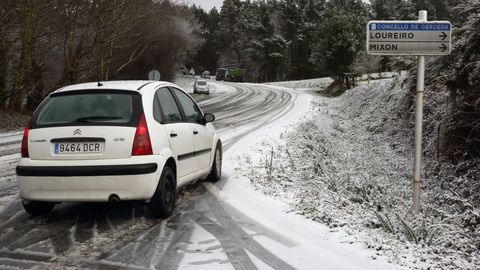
x=25 y=141
x=141 y=143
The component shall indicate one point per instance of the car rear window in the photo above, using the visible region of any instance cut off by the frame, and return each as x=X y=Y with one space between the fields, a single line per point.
x=88 y=108
x=201 y=83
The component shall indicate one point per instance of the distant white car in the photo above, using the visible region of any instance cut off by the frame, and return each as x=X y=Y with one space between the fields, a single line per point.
x=205 y=74
x=201 y=87
x=111 y=141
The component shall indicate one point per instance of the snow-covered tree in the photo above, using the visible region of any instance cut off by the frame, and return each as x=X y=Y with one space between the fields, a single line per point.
x=340 y=37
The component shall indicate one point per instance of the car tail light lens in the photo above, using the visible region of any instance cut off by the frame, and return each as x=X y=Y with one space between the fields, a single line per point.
x=25 y=141
x=142 y=144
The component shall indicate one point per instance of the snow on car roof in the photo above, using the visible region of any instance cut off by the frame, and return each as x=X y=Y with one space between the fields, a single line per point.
x=117 y=85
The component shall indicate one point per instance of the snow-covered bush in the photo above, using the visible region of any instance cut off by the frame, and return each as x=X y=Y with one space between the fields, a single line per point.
x=349 y=165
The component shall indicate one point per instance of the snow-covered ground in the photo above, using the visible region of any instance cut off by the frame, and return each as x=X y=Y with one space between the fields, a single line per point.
x=185 y=82
x=312 y=185
x=230 y=222
x=313 y=84
x=9 y=148
x=339 y=166
x=312 y=243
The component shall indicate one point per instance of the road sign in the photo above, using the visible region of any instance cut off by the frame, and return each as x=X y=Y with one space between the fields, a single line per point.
x=421 y=38
x=154 y=75
x=409 y=37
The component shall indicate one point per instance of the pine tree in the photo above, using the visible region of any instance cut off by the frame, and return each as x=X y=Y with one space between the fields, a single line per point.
x=340 y=37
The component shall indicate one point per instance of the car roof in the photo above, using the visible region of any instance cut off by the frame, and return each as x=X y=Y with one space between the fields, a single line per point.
x=140 y=85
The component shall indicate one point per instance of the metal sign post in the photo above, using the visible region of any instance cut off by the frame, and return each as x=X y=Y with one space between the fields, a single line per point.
x=412 y=38
x=417 y=158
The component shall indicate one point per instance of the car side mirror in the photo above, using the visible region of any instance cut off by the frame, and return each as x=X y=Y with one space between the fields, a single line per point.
x=209 y=117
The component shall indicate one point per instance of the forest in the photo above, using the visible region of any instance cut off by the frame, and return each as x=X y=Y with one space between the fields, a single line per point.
x=301 y=39
x=47 y=44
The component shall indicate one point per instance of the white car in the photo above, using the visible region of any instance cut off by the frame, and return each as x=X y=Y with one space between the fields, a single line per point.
x=205 y=74
x=111 y=141
x=201 y=87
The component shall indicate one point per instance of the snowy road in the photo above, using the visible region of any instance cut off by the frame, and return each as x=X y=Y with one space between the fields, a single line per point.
x=222 y=226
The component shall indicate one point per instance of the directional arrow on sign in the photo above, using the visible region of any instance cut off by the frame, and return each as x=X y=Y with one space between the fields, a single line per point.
x=409 y=37
x=443 y=36
x=443 y=47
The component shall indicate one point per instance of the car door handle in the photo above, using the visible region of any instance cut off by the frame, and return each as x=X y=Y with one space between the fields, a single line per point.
x=195 y=132
x=173 y=135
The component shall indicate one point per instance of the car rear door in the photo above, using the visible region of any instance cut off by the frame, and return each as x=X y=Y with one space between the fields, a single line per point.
x=85 y=124
x=168 y=114
x=202 y=136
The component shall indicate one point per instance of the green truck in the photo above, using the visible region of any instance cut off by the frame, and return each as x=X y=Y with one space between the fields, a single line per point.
x=231 y=74
x=235 y=74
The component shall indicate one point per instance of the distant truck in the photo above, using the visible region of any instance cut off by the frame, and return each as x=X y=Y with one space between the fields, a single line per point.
x=232 y=74
x=220 y=74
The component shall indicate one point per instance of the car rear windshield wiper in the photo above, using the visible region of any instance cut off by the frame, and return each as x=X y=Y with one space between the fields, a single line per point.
x=88 y=119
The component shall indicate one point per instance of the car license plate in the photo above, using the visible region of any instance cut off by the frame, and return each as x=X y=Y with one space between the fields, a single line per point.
x=78 y=148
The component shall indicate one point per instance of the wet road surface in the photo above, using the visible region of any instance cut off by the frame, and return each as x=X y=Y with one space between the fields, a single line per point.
x=203 y=232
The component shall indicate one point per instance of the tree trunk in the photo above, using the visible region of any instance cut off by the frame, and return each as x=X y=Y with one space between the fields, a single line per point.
x=36 y=95
x=22 y=71
x=3 y=74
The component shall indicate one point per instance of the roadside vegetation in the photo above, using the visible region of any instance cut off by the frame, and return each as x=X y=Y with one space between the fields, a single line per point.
x=45 y=44
x=349 y=164
x=281 y=40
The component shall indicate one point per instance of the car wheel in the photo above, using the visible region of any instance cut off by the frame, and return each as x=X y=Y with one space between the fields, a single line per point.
x=216 y=171
x=163 y=201
x=36 y=208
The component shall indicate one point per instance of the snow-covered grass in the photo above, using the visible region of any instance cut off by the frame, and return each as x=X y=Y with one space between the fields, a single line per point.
x=185 y=82
x=315 y=242
x=312 y=84
x=348 y=165
x=382 y=75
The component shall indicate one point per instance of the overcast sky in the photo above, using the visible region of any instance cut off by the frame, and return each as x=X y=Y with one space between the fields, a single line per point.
x=208 y=4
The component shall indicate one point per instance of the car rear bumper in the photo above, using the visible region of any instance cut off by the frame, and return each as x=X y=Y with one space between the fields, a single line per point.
x=104 y=170
x=44 y=181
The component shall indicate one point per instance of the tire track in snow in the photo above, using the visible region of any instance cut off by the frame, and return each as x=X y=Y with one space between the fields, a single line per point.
x=240 y=236
x=236 y=255
x=124 y=236
x=256 y=107
x=182 y=229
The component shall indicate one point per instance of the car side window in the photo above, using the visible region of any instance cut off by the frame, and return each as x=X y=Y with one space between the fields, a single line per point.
x=165 y=108
x=191 y=110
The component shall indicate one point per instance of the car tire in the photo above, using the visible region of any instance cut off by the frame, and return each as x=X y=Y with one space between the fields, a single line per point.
x=37 y=208
x=163 y=201
x=216 y=171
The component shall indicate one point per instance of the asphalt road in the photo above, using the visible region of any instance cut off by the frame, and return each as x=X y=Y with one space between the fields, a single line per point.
x=211 y=233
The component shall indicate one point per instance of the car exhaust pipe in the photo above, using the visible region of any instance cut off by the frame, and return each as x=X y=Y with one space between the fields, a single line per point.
x=113 y=198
